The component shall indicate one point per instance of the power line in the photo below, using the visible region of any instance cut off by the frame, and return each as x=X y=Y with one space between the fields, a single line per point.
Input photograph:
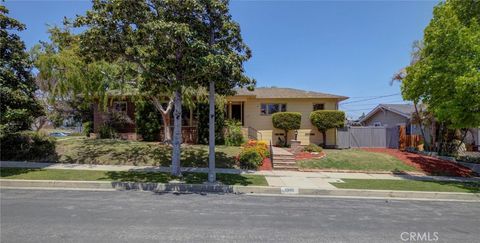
x=374 y=98
x=372 y=104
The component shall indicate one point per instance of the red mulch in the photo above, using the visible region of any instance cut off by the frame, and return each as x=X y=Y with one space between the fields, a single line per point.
x=308 y=155
x=266 y=165
x=427 y=164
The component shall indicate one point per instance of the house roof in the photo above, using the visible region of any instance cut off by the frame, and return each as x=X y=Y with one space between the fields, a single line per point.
x=404 y=110
x=279 y=93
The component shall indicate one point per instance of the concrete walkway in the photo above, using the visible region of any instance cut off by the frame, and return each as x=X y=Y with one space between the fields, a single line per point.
x=298 y=179
x=280 y=151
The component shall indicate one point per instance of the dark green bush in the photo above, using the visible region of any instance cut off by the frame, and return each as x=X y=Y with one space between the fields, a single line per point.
x=250 y=159
x=148 y=121
x=107 y=131
x=202 y=114
x=27 y=145
x=233 y=133
x=327 y=119
x=87 y=128
x=287 y=121
x=313 y=148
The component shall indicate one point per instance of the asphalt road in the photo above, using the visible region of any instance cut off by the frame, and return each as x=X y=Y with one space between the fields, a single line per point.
x=130 y=216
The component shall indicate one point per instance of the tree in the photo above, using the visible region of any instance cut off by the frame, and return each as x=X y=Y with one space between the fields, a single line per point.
x=287 y=121
x=175 y=44
x=160 y=37
x=222 y=67
x=18 y=106
x=68 y=84
x=446 y=74
x=327 y=119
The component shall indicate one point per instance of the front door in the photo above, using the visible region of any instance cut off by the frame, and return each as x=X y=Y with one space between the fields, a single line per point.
x=236 y=111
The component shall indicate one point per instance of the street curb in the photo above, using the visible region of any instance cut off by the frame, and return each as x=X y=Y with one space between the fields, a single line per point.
x=216 y=188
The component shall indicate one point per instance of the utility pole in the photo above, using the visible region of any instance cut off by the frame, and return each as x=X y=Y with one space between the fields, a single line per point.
x=211 y=134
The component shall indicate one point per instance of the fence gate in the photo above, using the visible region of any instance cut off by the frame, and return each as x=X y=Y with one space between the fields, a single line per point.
x=368 y=137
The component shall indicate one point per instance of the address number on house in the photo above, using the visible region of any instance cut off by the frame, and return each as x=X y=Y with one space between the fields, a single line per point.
x=289 y=190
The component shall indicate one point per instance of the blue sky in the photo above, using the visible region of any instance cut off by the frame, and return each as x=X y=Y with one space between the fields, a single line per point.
x=349 y=48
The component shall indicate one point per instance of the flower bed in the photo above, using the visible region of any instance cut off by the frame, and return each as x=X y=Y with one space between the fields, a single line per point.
x=255 y=155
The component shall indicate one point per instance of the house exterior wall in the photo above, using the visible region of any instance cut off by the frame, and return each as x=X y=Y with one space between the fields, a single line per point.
x=307 y=134
x=99 y=117
x=387 y=118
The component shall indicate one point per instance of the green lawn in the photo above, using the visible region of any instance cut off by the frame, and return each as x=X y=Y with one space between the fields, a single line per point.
x=356 y=159
x=121 y=152
x=130 y=176
x=409 y=185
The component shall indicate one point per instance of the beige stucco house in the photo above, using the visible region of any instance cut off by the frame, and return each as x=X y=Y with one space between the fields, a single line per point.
x=254 y=110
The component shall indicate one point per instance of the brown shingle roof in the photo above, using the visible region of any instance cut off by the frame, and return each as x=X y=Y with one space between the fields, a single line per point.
x=279 y=93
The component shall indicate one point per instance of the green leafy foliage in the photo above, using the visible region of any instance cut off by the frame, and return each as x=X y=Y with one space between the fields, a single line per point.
x=259 y=146
x=87 y=128
x=202 y=111
x=18 y=106
x=445 y=75
x=147 y=120
x=312 y=148
x=233 y=133
x=250 y=159
x=27 y=146
x=106 y=131
x=327 y=119
x=287 y=121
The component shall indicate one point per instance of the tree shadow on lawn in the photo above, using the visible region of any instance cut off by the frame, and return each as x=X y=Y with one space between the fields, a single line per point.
x=163 y=177
x=7 y=172
x=90 y=151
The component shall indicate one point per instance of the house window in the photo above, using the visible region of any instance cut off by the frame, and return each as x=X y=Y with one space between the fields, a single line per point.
x=377 y=124
x=120 y=106
x=268 y=109
x=317 y=107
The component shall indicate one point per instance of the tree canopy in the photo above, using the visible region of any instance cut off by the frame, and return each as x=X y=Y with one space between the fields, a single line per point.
x=327 y=119
x=446 y=74
x=18 y=106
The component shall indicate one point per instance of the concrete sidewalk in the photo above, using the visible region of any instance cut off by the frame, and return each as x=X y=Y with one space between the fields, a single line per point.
x=296 y=179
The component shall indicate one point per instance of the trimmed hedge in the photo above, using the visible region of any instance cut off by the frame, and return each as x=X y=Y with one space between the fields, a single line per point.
x=327 y=119
x=250 y=159
x=287 y=121
x=313 y=148
x=27 y=145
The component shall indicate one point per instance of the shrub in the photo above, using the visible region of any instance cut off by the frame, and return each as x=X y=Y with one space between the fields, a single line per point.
x=327 y=119
x=87 y=128
x=260 y=147
x=287 y=121
x=202 y=112
x=107 y=131
x=233 y=133
x=27 y=145
x=313 y=148
x=147 y=120
x=250 y=159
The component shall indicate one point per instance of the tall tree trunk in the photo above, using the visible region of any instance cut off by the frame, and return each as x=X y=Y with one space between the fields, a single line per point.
x=211 y=134
x=165 y=112
x=177 y=133
x=420 y=121
x=286 y=138
x=434 y=135
x=324 y=137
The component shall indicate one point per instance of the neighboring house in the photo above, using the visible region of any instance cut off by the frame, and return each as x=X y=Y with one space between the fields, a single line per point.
x=253 y=109
x=392 y=115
